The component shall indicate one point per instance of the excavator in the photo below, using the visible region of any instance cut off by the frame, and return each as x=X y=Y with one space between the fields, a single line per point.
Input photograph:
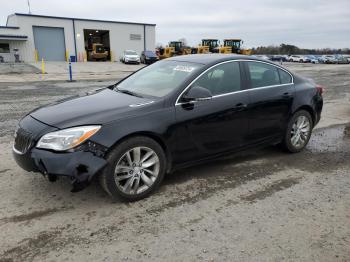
x=233 y=46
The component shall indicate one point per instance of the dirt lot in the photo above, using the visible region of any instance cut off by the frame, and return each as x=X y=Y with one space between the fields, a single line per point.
x=263 y=205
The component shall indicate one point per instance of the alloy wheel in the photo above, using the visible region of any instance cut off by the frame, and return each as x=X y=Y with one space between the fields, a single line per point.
x=300 y=131
x=137 y=170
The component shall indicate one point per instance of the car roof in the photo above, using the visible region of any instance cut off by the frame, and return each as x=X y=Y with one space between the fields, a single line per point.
x=211 y=58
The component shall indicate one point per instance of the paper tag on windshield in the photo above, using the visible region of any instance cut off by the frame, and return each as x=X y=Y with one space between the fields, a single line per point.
x=187 y=69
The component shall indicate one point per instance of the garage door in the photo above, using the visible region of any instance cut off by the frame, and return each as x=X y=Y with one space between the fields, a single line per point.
x=49 y=41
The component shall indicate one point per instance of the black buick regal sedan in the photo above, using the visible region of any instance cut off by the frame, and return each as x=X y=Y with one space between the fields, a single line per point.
x=169 y=115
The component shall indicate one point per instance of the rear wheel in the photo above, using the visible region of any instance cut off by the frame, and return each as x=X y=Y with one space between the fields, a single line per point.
x=136 y=168
x=298 y=132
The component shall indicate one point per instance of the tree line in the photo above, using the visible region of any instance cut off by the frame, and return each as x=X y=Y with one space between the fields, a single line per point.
x=285 y=49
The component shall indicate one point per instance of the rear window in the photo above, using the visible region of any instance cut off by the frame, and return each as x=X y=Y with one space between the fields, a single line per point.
x=285 y=77
x=150 y=53
x=262 y=74
x=130 y=53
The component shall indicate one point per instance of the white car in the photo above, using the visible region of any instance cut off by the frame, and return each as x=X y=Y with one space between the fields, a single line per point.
x=296 y=58
x=130 y=57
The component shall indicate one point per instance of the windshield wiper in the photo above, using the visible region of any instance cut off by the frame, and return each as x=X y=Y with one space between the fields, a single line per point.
x=124 y=91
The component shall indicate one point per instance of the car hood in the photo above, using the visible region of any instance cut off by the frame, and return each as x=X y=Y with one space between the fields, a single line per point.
x=99 y=107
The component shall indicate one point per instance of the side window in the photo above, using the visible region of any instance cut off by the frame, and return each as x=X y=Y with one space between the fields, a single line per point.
x=285 y=77
x=262 y=74
x=222 y=79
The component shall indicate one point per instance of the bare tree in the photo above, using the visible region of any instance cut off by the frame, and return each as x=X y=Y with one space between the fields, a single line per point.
x=159 y=45
x=183 y=40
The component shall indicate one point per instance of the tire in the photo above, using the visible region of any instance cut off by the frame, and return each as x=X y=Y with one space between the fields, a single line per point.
x=290 y=141
x=133 y=176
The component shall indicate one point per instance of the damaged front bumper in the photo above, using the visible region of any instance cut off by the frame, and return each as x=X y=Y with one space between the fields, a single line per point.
x=80 y=165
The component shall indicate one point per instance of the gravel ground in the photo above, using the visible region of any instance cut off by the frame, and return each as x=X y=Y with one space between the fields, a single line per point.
x=260 y=205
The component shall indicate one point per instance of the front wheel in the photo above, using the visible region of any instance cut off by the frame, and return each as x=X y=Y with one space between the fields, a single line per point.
x=136 y=167
x=298 y=132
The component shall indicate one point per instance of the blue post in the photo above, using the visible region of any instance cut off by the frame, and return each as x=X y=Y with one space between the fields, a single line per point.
x=70 y=71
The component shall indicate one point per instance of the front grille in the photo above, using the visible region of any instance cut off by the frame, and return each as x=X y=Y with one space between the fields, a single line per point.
x=23 y=141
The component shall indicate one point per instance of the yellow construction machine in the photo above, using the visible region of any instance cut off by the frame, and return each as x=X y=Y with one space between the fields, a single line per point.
x=233 y=46
x=207 y=46
x=180 y=48
x=172 y=49
x=98 y=52
x=165 y=52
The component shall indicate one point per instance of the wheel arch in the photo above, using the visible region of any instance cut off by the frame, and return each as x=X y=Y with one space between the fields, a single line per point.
x=308 y=109
x=157 y=138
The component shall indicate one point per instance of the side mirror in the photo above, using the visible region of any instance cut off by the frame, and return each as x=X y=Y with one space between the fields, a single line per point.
x=197 y=93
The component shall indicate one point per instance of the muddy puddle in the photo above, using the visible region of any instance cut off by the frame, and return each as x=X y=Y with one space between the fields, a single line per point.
x=330 y=139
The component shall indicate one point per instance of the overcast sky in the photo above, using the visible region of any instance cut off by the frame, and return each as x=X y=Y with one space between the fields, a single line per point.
x=305 y=23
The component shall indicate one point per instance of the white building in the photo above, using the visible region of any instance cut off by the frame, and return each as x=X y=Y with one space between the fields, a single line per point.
x=56 y=38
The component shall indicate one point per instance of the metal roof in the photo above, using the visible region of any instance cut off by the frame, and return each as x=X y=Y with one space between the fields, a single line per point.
x=82 y=19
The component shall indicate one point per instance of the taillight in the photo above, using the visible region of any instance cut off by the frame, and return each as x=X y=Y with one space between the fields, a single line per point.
x=320 y=89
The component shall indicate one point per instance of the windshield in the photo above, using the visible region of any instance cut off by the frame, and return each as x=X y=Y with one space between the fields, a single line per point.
x=158 y=79
x=130 y=53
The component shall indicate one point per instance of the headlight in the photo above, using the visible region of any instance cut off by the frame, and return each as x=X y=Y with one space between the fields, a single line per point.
x=67 y=138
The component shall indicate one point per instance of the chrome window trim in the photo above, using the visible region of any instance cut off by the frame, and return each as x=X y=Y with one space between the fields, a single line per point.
x=278 y=68
x=240 y=91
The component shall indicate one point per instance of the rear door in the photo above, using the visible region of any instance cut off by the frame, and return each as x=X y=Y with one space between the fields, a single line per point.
x=271 y=93
x=217 y=125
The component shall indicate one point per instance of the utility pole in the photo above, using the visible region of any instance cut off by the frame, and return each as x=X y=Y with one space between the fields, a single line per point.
x=29 y=7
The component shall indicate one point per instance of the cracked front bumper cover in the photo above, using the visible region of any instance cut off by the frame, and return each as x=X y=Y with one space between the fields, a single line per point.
x=79 y=165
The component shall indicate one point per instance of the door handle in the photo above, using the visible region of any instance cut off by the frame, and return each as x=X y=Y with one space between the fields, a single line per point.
x=286 y=95
x=240 y=106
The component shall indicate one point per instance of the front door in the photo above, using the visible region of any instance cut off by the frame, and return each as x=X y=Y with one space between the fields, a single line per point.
x=209 y=127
